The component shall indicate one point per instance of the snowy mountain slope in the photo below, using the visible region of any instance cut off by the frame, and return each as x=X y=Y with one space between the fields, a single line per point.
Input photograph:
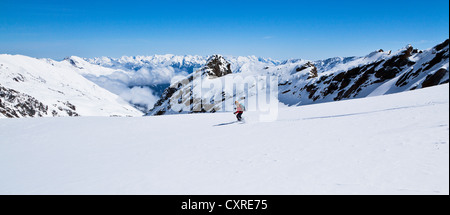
x=303 y=82
x=56 y=89
x=382 y=73
x=14 y=104
x=392 y=144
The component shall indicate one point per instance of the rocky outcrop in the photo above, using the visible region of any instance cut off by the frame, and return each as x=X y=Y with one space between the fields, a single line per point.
x=434 y=79
x=312 y=69
x=73 y=62
x=14 y=104
x=216 y=67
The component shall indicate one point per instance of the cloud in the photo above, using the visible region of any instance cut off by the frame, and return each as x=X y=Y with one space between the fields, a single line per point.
x=145 y=76
x=142 y=96
x=118 y=84
x=134 y=86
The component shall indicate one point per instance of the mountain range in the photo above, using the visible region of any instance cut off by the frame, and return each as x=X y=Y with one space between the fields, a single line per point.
x=150 y=85
x=302 y=82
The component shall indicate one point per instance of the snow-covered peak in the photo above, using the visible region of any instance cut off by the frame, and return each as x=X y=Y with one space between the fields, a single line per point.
x=136 y=62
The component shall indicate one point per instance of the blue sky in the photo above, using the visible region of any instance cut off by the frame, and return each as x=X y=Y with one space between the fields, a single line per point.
x=276 y=29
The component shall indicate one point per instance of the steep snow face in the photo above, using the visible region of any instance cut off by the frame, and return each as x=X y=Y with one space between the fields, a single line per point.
x=302 y=82
x=392 y=144
x=55 y=89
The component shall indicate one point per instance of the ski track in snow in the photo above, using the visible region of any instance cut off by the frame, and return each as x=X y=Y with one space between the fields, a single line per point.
x=226 y=123
x=392 y=144
x=371 y=112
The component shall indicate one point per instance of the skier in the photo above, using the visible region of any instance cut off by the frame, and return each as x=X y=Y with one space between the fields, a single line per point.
x=239 y=111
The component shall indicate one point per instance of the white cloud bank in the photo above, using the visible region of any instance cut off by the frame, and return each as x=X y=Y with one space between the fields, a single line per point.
x=135 y=86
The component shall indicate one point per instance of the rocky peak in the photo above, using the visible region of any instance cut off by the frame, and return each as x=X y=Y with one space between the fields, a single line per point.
x=216 y=66
x=73 y=61
x=312 y=69
x=407 y=52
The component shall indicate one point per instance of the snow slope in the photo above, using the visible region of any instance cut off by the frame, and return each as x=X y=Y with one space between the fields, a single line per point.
x=60 y=87
x=392 y=144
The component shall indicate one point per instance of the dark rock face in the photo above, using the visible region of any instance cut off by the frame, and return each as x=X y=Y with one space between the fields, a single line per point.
x=339 y=82
x=442 y=53
x=438 y=58
x=435 y=78
x=394 y=65
x=442 y=45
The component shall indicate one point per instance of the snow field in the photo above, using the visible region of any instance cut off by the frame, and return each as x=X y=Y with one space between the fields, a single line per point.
x=392 y=144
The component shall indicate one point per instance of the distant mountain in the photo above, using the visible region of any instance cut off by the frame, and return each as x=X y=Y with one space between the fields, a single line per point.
x=31 y=87
x=179 y=63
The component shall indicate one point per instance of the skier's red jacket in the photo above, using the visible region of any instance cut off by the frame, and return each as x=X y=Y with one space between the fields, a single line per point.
x=239 y=108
